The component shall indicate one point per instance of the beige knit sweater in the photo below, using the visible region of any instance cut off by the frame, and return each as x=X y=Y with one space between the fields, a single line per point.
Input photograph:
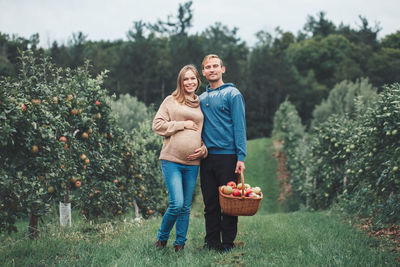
x=178 y=141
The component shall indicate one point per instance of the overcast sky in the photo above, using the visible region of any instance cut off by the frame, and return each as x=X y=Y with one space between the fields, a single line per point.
x=110 y=20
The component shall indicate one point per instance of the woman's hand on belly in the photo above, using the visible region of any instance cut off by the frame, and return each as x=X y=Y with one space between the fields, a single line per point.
x=191 y=125
x=198 y=153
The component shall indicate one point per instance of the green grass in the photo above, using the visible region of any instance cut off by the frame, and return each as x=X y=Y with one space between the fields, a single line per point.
x=267 y=239
x=260 y=171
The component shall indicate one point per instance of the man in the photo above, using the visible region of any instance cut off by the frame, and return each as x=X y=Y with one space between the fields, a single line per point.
x=224 y=134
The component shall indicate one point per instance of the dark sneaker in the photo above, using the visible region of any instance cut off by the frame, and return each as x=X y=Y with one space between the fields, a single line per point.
x=179 y=247
x=212 y=246
x=225 y=248
x=160 y=244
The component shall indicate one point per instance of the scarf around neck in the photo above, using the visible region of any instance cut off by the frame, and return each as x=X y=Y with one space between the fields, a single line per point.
x=193 y=103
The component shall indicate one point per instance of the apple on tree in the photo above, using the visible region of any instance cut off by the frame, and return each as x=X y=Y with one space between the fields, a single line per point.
x=35 y=149
x=36 y=101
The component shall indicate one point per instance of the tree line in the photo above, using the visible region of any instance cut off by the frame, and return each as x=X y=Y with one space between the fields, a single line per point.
x=301 y=67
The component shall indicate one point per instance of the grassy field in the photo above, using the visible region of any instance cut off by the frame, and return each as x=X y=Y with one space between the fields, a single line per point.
x=270 y=238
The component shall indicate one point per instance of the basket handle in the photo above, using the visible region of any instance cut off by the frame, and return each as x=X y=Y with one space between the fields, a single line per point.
x=241 y=179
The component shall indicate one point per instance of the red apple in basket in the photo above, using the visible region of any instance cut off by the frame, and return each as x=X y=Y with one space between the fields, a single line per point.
x=248 y=192
x=232 y=184
x=226 y=189
x=237 y=192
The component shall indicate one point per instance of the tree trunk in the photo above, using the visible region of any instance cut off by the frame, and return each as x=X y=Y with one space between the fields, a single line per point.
x=66 y=197
x=33 y=226
x=136 y=209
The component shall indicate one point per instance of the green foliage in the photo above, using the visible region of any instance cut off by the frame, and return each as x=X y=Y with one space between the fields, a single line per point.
x=270 y=80
x=287 y=124
x=322 y=55
x=392 y=40
x=130 y=112
x=6 y=68
x=352 y=158
x=299 y=234
x=341 y=100
x=331 y=146
x=322 y=26
x=302 y=67
x=59 y=142
x=149 y=182
x=383 y=66
x=378 y=158
x=289 y=129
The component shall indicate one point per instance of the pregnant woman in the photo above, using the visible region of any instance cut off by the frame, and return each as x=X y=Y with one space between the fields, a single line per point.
x=180 y=120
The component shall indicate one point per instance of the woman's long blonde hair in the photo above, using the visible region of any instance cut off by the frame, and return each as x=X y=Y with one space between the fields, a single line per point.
x=179 y=93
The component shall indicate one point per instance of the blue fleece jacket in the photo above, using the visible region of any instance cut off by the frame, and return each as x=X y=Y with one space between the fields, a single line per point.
x=224 y=129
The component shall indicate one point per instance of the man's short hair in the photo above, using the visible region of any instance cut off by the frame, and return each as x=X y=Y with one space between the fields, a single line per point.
x=208 y=57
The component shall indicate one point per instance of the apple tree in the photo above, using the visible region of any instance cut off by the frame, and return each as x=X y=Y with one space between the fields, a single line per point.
x=59 y=142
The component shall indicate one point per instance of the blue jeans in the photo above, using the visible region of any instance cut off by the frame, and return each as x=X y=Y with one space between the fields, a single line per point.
x=180 y=181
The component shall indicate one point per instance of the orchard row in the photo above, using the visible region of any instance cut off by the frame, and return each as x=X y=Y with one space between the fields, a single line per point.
x=350 y=160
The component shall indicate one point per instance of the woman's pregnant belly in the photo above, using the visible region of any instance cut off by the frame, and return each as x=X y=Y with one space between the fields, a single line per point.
x=185 y=142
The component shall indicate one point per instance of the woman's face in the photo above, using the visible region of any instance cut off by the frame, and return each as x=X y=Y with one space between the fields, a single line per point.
x=190 y=82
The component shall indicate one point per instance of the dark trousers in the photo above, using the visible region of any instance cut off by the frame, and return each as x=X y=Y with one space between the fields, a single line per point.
x=217 y=170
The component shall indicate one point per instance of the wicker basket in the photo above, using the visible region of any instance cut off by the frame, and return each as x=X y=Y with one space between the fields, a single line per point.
x=239 y=206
